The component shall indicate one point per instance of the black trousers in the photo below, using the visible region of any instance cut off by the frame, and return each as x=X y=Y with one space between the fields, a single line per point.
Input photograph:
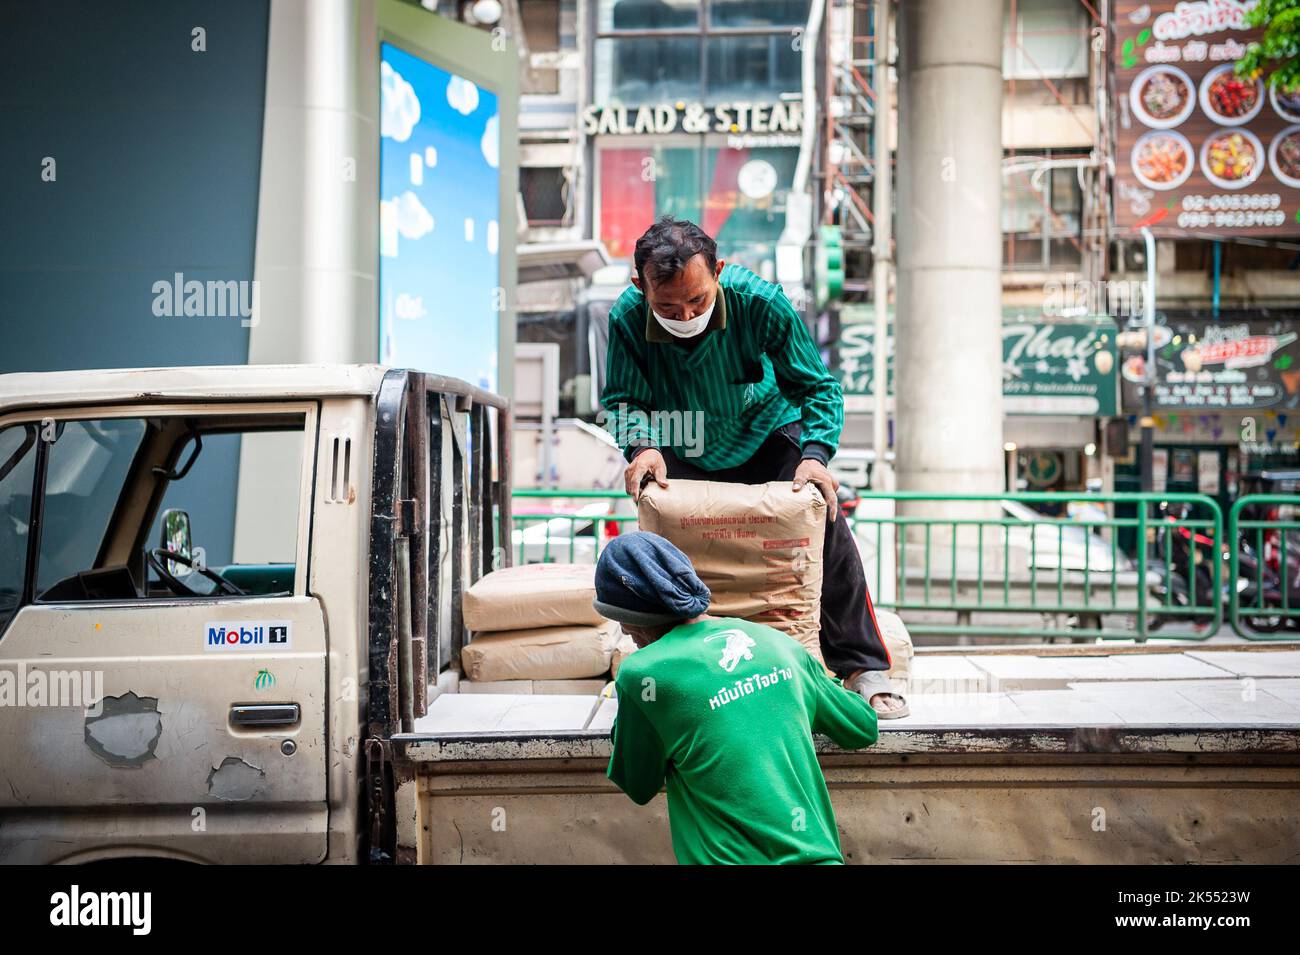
x=850 y=638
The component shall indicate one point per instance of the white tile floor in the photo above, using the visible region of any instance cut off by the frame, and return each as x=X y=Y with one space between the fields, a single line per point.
x=1243 y=663
x=1025 y=670
x=493 y=713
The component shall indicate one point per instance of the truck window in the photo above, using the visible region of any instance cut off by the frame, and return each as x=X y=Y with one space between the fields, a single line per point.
x=257 y=548
x=89 y=462
x=17 y=472
x=108 y=483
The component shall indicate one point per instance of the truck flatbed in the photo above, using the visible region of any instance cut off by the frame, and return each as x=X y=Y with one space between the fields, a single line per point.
x=1089 y=754
x=1207 y=689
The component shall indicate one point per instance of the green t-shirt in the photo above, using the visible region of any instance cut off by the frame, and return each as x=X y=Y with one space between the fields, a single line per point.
x=723 y=711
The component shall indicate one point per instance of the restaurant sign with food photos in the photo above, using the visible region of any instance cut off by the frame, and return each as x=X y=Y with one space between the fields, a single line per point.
x=1197 y=148
x=1224 y=364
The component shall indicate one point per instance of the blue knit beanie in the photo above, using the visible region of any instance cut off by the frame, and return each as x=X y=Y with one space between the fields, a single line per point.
x=642 y=579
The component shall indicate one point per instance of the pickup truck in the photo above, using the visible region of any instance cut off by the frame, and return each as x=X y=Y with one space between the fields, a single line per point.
x=196 y=674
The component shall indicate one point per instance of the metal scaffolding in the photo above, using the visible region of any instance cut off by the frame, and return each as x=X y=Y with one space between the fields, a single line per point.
x=847 y=141
x=847 y=170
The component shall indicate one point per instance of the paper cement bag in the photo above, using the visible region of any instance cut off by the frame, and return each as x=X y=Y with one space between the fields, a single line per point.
x=532 y=595
x=898 y=642
x=625 y=647
x=758 y=547
x=546 y=653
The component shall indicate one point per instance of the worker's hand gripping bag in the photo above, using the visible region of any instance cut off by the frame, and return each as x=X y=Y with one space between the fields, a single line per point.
x=758 y=548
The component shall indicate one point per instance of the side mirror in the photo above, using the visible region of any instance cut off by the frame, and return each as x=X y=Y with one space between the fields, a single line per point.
x=176 y=538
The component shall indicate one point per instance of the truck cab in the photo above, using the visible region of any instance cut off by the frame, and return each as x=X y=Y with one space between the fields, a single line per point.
x=218 y=690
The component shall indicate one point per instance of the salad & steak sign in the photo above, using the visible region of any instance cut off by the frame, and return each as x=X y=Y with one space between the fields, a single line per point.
x=1197 y=148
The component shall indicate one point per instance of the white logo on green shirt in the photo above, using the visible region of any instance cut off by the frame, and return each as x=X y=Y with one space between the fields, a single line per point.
x=736 y=649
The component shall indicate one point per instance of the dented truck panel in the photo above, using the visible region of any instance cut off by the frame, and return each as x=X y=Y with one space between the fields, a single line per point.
x=123 y=730
x=160 y=739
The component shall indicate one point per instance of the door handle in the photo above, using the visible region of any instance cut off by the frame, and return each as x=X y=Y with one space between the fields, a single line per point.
x=265 y=714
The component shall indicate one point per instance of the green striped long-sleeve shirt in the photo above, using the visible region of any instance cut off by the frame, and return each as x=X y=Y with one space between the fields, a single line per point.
x=713 y=404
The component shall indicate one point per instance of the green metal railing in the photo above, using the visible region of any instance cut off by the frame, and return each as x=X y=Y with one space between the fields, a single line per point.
x=548 y=536
x=1263 y=607
x=1024 y=566
x=1069 y=572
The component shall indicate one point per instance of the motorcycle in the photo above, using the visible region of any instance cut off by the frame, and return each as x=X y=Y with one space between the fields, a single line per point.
x=847 y=498
x=1264 y=585
x=1191 y=555
x=1188 y=548
x=1252 y=580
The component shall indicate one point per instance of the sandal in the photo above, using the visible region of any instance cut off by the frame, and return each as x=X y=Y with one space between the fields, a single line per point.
x=871 y=683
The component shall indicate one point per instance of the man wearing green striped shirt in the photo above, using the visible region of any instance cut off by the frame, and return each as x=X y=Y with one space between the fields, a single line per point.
x=711 y=375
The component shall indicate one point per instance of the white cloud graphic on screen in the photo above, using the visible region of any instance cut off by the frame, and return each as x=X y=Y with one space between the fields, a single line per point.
x=490 y=143
x=404 y=216
x=413 y=220
x=399 y=106
x=462 y=95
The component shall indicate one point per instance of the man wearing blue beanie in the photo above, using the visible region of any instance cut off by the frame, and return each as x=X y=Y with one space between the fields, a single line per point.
x=722 y=712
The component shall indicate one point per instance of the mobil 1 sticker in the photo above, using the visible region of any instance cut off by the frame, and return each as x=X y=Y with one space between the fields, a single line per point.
x=232 y=636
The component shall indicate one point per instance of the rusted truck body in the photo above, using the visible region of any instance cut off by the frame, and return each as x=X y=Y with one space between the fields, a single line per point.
x=294 y=699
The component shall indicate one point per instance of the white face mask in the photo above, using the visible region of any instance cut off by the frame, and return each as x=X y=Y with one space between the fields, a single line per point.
x=688 y=329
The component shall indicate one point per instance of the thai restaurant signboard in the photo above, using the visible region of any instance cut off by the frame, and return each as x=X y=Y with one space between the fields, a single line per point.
x=1048 y=367
x=1197 y=148
x=1226 y=364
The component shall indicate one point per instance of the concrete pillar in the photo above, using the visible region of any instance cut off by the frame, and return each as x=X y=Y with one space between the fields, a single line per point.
x=318 y=207
x=318 y=211
x=949 y=318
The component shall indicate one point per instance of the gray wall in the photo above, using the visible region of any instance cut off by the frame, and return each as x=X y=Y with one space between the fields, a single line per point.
x=157 y=150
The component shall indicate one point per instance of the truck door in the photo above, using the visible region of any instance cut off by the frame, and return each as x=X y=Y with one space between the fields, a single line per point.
x=158 y=706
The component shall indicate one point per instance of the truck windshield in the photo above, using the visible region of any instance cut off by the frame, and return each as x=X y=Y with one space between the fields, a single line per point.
x=17 y=471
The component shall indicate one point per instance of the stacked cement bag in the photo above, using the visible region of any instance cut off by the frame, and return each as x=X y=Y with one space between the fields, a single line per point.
x=536 y=622
x=758 y=548
x=898 y=642
x=622 y=650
